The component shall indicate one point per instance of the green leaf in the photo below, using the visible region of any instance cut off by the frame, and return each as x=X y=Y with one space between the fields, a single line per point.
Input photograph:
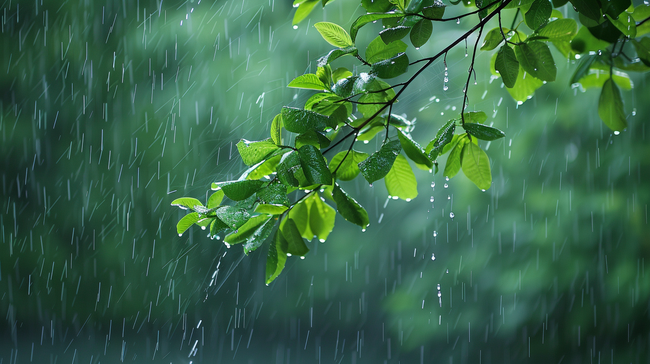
x=232 y=216
x=453 y=160
x=415 y=6
x=186 y=203
x=610 y=107
x=493 y=38
x=215 y=199
x=187 y=221
x=239 y=190
x=536 y=59
x=435 y=11
x=483 y=132
x=216 y=227
x=392 y=34
x=413 y=149
x=584 y=42
x=274 y=193
x=391 y=67
x=314 y=165
x=247 y=229
x=369 y=18
x=443 y=137
x=376 y=6
x=615 y=7
x=336 y=54
x=344 y=88
x=349 y=208
x=400 y=180
x=582 y=69
x=301 y=121
x=276 y=129
x=524 y=87
x=377 y=50
x=421 y=32
x=308 y=81
x=324 y=74
x=264 y=168
x=321 y=218
x=476 y=166
x=271 y=209
x=538 y=14
x=255 y=152
x=642 y=47
x=349 y=168
x=587 y=8
x=276 y=257
x=642 y=12
x=380 y=162
x=518 y=3
x=288 y=166
x=507 y=65
x=334 y=34
x=560 y=29
x=315 y=138
x=474 y=117
x=625 y=23
x=259 y=236
x=371 y=103
x=596 y=79
x=295 y=243
x=300 y=215
x=303 y=11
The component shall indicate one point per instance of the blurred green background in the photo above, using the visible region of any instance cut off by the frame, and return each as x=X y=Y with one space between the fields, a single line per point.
x=110 y=110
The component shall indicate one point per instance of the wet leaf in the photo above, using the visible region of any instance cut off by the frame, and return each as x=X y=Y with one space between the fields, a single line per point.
x=493 y=38
x=421 y=32
x=295 y=243
x=476 y=166
x=349 y=168
x=435 y=11
x=369 y=18
x=276 y=257
x=321 y=218
x=336 y=54
x=377 y=50
x=538 y=14
x=560 y=29
x=255 y=152
x=536 y=59
x=507 y=65
x=413 y=149
x=610 y=107
x=301 y=121
x=308 y=81
x=443 y=137
x=349 y=208
x=314 y=165
x=400 y=180
x=239 y=190
x=380 y=162
x=393 y=34
x=232 y=216
x=187 y=221
x=483 y=132
x=215 y=199
x=271 y=209
x=452 y=165
x=391 y=67
x=276 y=129
x=186 y=203
x=334 y=34
x=247 y=229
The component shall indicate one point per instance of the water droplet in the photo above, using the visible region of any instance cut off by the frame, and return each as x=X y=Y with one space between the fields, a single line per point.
x=458 y=21
x=431 y=199
x=445 y=185
x=180 y=234
x=433 y=184
x=302 y=257
x=451 y=214
x=228 y=245
x=446 y=178
x=433 y=257
x=616 y=132
x=408 y=200
x=435 y=233
x=321 y=240
x=295 y=27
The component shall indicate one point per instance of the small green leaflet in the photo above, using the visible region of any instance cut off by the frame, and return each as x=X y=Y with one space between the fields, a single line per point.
x=560 y=29
x=524 y=87
x=415 y=6
x=380 y=162
x=216 y=227
x=232 y=216
x=321 y=218
x=538 y=14
x=186 y=203
x=315 y=138
x=247 y=230
x=443 y=137
x=289 y=164
x=334 y=34
x=493 y=38
x=187 y=221
x=295 y=243
x=270 y=209
x=369 y=18
x=215 y=199
x=400 y=180
x=378 y=50
x=413 y=149
x=303 y=11
x=301 y=121
x=308 y=81
x=274 y=193
x=421 y=32
x=300 y=215
x=239 y=190
x=507 y=65
x=349 y=208
x=324 y=74
x=348 y=168
x=335 y=54
x=314 y=165
x=483 y=132
x=642 y=47
x=435 y=11
x=344 y=87
x=391 y=67
x=453 y=160
x=610 y=107
x=276 y=257
x=392 y=34
x=476 y=166
x=582 y=69
x=255 y=152
x=276 y=129
x=536 y=59
x=259 y=236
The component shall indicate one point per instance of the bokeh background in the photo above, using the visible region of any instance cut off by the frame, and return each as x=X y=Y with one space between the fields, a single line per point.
x=111 y=109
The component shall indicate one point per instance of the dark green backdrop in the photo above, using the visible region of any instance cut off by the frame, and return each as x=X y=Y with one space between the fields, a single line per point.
x=109 y=110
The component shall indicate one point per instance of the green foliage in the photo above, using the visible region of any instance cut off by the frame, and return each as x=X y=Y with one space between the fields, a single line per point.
x=357 y=106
